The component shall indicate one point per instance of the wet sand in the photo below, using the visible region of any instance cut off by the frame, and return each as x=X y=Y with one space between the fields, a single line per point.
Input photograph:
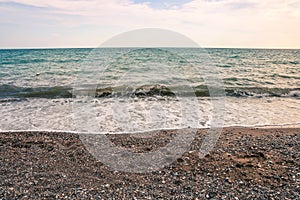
x=246 y=163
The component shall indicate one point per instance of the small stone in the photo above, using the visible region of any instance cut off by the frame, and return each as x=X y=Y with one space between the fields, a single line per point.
x=259 y=165
x=239 y=165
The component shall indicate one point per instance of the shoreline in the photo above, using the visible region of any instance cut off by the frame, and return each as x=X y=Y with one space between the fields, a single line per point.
x=245 y=163
x=282 y=126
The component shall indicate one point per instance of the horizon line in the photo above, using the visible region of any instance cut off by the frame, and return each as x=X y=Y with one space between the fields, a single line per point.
x=204 y=47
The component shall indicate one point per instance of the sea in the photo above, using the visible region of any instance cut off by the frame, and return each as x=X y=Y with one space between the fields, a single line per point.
x=118 y=90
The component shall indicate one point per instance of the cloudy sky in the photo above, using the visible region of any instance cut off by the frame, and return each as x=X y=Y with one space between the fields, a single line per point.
x=210 y=23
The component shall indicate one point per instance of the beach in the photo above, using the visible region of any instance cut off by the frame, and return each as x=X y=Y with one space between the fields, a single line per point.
x=147 y=99
x=246 y=163
x=49 y=97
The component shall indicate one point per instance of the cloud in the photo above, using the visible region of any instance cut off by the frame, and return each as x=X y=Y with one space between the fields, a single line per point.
x=166 y=4
x=209 y=22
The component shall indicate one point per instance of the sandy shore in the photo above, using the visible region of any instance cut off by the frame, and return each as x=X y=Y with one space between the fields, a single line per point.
x=246 y=163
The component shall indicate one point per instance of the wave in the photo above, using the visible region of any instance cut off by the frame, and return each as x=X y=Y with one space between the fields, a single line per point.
x=37 y=61
x=285 y=62
x=142 y=91
x=15 y=93
x=11 y=91
x=225 y=66
x=287 y=76
x=263 y=92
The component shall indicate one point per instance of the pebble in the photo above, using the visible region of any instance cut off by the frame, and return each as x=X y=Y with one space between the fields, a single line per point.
x=86 y=178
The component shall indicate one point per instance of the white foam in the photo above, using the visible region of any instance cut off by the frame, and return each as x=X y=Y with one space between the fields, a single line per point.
x=58 y=115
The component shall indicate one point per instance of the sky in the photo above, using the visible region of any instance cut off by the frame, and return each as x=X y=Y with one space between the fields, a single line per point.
x=210 y=23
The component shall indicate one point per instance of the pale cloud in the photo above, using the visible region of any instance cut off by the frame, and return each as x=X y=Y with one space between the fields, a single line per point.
x=234 y=23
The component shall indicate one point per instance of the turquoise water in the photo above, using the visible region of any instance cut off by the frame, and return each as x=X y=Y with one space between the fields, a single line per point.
x=51 y=73
x=39 y=86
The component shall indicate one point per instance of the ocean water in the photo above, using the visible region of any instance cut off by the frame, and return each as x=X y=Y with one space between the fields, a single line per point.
x=134 y=90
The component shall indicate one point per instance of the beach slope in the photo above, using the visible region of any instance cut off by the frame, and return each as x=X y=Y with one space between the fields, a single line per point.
x=246 y=163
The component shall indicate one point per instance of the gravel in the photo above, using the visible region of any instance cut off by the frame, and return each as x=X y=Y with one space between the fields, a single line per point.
x=246 y=163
